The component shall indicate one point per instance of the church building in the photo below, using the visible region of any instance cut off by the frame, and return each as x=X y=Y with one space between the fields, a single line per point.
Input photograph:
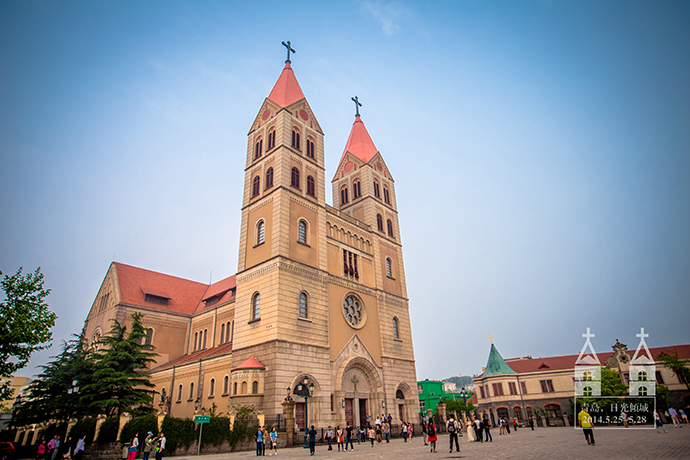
x=319 y=292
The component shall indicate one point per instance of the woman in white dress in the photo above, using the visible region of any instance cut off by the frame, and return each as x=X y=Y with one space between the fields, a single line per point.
x=471 y=437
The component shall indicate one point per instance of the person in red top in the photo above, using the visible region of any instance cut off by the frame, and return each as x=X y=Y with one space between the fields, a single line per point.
x=431 y=431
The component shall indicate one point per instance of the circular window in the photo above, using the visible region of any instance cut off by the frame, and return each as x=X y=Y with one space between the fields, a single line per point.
x=353 y=310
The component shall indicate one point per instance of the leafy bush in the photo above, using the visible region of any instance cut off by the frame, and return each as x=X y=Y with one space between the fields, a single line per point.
x=85 y=426
x=241 y=430
x=141 y=425
x=215 y=432
x=108 y=430
x=178 y=433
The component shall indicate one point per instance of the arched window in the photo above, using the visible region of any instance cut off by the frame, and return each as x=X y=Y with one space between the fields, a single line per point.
x=258 y=148
x=255 y=387
x=179 y=393
x=205 y=334
x=395 y=328
x=222 y=333
x=295 y=178
x=295 y=139
x=302 y=234
x=517 y=411
x=553 y=410
x=356 y=189
x=191 y=391
x=344 y=195
x=642 y=376
x=389 y=269
x=587 y=391
x=642 y=391
x=256 y=186
x=390 y=228
x=332 y=402
x=386 y=197
x=399 y=394
x=379 y=222
x=201 y=338
x=310 y=148
x=271 y=139
x=303 y=311
x=269 y=178
x=226 y=380
x=260 y=232
x=196 y=340
x=212 y=387
x=244 y=388
x=232 y=330
x=311 y=186
x=148 y=337
x=234 y=388
x=377 y=194
x=256 y=304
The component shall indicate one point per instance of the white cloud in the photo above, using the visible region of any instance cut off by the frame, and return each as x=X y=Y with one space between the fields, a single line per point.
x=391 y=15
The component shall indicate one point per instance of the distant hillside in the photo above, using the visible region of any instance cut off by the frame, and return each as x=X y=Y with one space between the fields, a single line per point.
x=459 y=381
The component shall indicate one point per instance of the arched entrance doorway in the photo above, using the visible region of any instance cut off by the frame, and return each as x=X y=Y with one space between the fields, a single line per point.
x=361 y=390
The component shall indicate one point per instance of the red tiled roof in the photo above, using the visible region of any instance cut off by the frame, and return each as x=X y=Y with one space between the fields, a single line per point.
x=286 y=91
x=359 y=143
x=221 y=287
x=251 y=363
x=197 y=355
x=554 y=363
x=184 y=295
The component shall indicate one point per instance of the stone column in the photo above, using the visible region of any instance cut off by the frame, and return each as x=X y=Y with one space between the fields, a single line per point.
x=70 y=424
x=289 y=414
x=99 y=421
x=160 y=418
x=355 y=411
x=16 y=437
x=441 y=408
x=543 y=421
x=566 y=419
x=124 y=418
x=262 y=418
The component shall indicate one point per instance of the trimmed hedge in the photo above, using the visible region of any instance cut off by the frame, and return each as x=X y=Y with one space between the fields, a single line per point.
x=178 y=433
x=108 y=430
x=141 y=425
x=85 y=426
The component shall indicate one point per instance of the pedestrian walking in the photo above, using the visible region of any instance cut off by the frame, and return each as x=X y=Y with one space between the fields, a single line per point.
x=329 y=437
x=431 y=430
x=487 y=431
x=41 y=451
x=425 y=435
x=674 y=416
x=372 y=435
x=341 y=439
x=657 y=423
x=387 y=432
x=259 y=437
x=160 y=447
x=312 y=440
x=452 y=428
x=348 y=437
x=133 y=447
x=79 y=449
x=274 y=442
x=531 y=423
x=587 y=426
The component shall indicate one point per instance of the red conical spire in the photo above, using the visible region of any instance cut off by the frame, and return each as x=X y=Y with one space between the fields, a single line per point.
x=286 y=91
x=359 y=143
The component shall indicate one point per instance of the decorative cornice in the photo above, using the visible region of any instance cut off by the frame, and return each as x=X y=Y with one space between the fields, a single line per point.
x=260 y=204
x=302 y=203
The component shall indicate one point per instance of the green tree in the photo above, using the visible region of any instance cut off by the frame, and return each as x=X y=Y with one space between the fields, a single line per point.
x=678 y=366
x=25 y=322
x=456 y=407
x=120 y=382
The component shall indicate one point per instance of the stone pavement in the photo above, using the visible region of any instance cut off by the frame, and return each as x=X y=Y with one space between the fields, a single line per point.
x=542 y=444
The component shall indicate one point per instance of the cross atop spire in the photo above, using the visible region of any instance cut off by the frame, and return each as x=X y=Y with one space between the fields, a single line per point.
x=491 y=337
x=357 y=105
x=289 y=48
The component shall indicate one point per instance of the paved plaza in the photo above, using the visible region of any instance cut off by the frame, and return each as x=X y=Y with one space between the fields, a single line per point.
x=543 y=444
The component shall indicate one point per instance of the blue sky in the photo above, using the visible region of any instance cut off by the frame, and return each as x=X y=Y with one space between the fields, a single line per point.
x=541 y=152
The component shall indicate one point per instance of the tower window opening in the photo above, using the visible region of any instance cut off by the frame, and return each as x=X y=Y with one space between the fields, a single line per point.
x=395 y=328
x=269 y=178
x=389 y=268
x=271 y=139
x=390 y=228
x=260 y=232
x=303 y=311
x=256 y=306
x=310 y=148
x=302 y=232
x=256 y=186
x=295 y=139
x=311 y=186
x=295 y=178
x=258 y=148
x=386 y=197
x=356 y=189
x=344 y=195
x=377 y=194
x=379 y=222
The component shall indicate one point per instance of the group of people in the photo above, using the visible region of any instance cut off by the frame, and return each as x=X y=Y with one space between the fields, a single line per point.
x=262 y=437
x=57 y=450
x=152 y=443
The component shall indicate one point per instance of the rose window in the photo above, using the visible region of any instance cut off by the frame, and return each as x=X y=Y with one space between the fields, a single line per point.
x=352 y=310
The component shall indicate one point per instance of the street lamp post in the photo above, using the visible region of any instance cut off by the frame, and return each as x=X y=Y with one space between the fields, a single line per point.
x=465 y=396
x=71 y=393
x=308 y=389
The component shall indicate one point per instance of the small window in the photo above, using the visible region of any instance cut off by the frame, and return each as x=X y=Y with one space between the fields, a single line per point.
x=156 y=299
x=234 y=388
x=332 y=401
x=212 y=388
x=481 y=391
x=390 y=228
x=271 y=139
x=179 y=393
x=196 y=340
x=258 y=148
x=256 y=306
x=379 y=222
x=377 y=194
x=642 y=376
x=524 y=388
x=222 y=333
x=512 y=388
x=244 y=388
x=226 y=381
x=310 y=148
x=148 y=337
x=269 y=178
x=587 y=391
x=395 y=329
x=497 y=388
x=191 y=391
x=389 y=269
x=232 y=330
x=205 y=335
x=343 y=195
x=386 y=197
x=356 y=189
x=260 y=232
x=256 y=186
x=642 y=391
x=295 y=178
x=311 y=186
x=546 y=386
x=303 y=311
x=295 y=139
x=302 y=237
x=553 y=410
x=255 y=387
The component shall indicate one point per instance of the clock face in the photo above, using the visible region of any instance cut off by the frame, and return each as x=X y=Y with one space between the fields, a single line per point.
x=379 y=166
x=266 y=115
x=304 y=115
x=348 y=166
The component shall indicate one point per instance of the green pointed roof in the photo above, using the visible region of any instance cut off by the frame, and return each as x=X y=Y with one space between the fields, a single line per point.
x=496 y=364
